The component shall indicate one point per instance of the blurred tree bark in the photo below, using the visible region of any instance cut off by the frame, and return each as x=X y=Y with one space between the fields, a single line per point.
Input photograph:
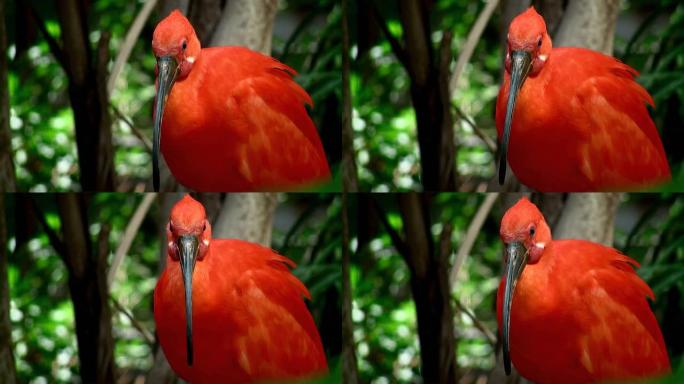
x=86 y=264
x=248 y=23
x=7 y=374
x=588 y=216
x=429 y=74
x=589 y=24
x=429 y=268
x=7 y=179
x=247 y=216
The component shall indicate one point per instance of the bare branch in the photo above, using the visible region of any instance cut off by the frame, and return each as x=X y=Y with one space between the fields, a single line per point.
x=349 y=173
x=471 y=42
x=398 y=50
x=55 y=49
x=350 y=370
x=55 y=240
x=491 y=338
x=129 y=43
x=129 y=235
x=491 y=145
x=471 y=234
x=147 y=335
x=136 y=131
x=397 y=241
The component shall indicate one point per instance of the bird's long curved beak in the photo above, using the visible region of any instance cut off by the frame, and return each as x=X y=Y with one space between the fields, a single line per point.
x=188 y=247
x=521 y=61
x=517 y=260
x=167 y=72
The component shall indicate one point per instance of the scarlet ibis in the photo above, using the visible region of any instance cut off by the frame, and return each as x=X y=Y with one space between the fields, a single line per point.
x=573 y=311
x=230 y=311
x=232 y=119
x=572 y=119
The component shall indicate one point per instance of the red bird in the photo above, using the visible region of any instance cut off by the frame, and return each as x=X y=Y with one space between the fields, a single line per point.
x=575 y=311
x=233 y=119
x=575 y=118
x=230 y=311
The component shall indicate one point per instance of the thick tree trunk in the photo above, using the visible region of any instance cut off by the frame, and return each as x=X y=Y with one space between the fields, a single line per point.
x=7 y=374
x=247 y=216
x=248 y=23
x=589 y=24
x=430 y=95
x=7 y=180
x=430 y=288
x=88 y=95
x=88 y=288
x=588 y=216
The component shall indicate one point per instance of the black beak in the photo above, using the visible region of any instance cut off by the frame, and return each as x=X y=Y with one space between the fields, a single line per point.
x=517 y=260
x=521 y=61
x=167 y=72
x=188 y=246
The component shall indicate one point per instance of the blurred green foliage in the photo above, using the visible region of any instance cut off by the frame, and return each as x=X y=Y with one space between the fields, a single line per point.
x=384 y=121
x=306 y=229
x=649 y=228
x=42 y=121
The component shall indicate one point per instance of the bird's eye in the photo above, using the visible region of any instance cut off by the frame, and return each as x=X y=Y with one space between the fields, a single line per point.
x=185 y=44
x=170 y=226
x=204 y=227
x=539 y=42
x=532 y=230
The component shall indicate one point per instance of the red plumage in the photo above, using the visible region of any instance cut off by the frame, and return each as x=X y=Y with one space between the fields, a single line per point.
x=235 y=120
x=250 y=322
x=580 y=121
x=579 y=314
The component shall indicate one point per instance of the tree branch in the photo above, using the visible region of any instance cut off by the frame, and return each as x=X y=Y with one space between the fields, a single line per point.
x=397 y=49
x=350 y=183
x=55 y=49
x=136 y=131
x=468 y=48
x=129 y=235
x=471 y=234
x=489 y=335
x=146 y=334
x=350 y=371
x=129 y=42
x=55 y=240
x=397 y=241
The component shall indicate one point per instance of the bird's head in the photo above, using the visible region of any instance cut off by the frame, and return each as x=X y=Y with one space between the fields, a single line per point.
x=189 y=235
x=527 y=50
x=524 y=233
x=176 y=48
